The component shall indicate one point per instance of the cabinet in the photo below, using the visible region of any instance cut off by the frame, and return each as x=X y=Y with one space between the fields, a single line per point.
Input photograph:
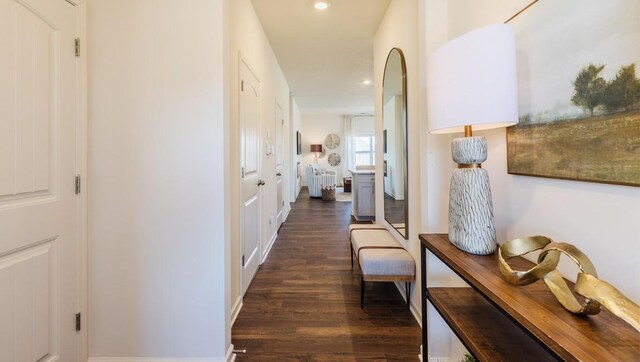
x=363 y=205
x=498 y=321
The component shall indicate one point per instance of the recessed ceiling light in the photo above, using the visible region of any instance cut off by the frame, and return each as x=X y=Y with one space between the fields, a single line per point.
x=321 y=4
x=366 y=82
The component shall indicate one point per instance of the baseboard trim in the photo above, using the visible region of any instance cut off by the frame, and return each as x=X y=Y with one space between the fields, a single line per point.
x=286 y=213
x=162 y=359
x=236 y=310
x=271 y=242
x=439 y=359
x=230 y=355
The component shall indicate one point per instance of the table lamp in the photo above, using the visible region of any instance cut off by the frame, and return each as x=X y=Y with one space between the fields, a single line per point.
x=472 y=83
x=317 y=149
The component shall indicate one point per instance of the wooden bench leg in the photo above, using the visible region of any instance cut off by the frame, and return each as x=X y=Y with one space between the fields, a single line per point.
x=362 y=284
x=351 y=257
x=407 y=290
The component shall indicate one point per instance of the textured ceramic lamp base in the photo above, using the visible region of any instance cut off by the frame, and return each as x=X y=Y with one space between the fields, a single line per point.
x=471 y=226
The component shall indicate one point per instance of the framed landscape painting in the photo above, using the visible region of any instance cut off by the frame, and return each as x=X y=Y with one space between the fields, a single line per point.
x=579 y=92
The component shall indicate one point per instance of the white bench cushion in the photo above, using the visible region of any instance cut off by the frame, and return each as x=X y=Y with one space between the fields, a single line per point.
x=372 y=237
x=386 y=262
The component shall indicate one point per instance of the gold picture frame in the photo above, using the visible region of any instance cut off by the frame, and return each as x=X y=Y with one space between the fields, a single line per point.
x=579 y=92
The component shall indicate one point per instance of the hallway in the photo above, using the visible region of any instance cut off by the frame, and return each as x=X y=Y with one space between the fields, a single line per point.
x=304 y=303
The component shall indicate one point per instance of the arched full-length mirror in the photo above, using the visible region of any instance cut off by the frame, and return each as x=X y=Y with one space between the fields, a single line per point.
x=394 y=110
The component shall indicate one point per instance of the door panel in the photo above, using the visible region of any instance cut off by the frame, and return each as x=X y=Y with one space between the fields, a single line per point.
x=25 y=97
x=366 y=199
x=251 y=240
x=39 y=210
x=24 y=281
x=250 y=166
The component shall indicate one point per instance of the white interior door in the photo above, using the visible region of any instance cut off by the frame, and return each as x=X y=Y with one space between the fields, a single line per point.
x=279 y=161
x=39 y=235
x=250 y=217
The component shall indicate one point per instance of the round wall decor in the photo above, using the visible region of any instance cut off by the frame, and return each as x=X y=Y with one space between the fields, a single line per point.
x=334 y=159
x=332 y=141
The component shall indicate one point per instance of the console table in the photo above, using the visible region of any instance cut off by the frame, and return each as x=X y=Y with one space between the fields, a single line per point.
x=497 y=321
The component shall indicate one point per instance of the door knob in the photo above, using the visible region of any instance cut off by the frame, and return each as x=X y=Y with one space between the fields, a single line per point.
x=260 y=182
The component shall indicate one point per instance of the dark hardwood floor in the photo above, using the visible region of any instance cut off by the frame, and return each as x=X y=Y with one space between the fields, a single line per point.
x=304 y=303
x=394 y=209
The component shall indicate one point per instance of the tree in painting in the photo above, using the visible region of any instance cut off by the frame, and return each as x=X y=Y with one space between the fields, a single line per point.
x=589 y=87
x=623 y=92
x=620 y=94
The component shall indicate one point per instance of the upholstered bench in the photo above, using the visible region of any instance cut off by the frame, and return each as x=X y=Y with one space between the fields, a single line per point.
x=381 y=257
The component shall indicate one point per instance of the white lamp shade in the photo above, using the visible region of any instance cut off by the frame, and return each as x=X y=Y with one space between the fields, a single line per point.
x=471 y=80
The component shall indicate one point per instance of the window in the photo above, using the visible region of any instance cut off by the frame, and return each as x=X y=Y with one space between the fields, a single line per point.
x=365 y=147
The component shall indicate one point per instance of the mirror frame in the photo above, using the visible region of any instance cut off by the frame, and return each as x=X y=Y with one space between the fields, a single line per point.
x=405 y=154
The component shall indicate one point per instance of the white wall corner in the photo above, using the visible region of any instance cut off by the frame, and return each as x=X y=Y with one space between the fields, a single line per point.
x=230 y=355
x=268 y=249
x=286 y=212
x=417 y=312
x=237 y=306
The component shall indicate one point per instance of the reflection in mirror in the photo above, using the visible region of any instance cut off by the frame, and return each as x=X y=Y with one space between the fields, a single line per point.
x=394 y=137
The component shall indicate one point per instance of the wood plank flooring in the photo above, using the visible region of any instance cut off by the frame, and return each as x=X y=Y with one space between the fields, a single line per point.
x=304 y=303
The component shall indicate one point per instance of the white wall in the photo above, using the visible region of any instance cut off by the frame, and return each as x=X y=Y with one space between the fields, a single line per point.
x=400 y=29
x=602 y=220
x=393 y=113
x=158 y=242
x=315 y=128
x=248 y=40
x=363 y=125
x=296 y=126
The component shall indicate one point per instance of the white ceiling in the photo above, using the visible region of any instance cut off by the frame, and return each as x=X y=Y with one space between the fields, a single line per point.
x=325 y=55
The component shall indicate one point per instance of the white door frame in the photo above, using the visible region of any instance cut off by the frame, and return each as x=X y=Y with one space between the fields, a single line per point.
x=81 y=168
x=279 y=143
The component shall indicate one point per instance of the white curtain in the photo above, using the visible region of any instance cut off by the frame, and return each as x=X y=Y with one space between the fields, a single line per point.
x=349 y=152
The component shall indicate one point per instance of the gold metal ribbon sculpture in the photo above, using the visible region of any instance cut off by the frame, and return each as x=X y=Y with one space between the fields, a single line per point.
x=587 y=284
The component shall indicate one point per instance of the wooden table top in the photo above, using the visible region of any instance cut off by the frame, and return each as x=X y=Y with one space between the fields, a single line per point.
x=601 y=337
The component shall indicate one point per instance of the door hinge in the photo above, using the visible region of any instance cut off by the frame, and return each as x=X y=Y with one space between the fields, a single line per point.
x=242 y=171
x=242 y=85
x=77 y=42
x=78 y=184
x=243 y=260
x=78 y=322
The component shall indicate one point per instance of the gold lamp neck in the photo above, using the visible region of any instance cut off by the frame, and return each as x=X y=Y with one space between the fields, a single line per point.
x=467 y=131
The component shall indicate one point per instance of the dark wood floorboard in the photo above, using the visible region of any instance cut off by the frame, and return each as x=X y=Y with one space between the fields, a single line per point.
x=304 y=303
x=393 y=210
